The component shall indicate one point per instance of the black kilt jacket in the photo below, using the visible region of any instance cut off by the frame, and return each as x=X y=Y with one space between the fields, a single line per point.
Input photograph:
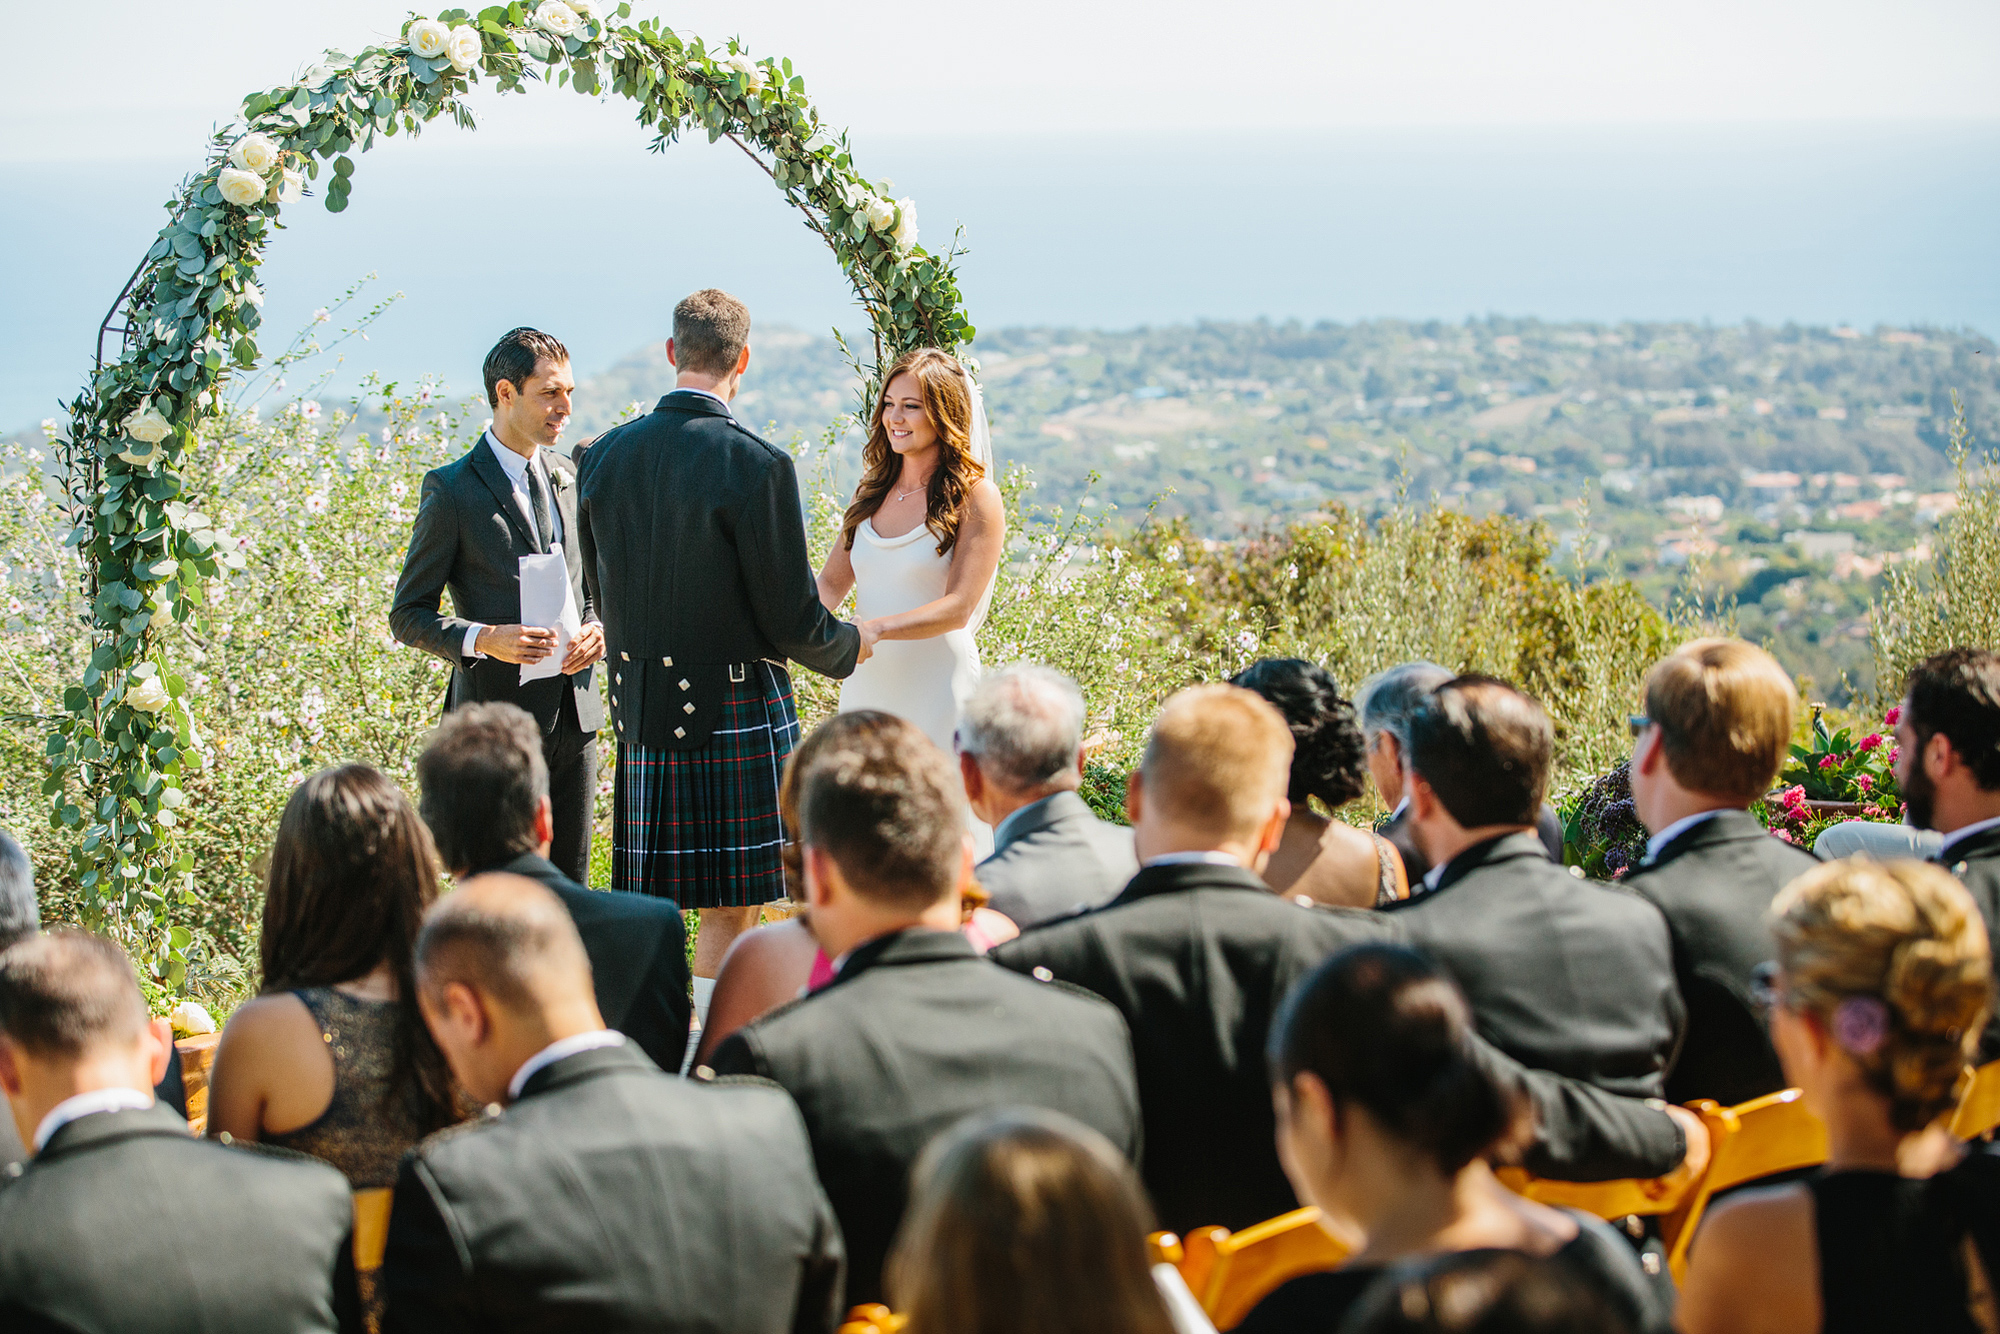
x=1975 y=860
x=695 y=546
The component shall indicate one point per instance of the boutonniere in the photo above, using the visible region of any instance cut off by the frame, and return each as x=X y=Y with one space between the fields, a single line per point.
x=559 y=479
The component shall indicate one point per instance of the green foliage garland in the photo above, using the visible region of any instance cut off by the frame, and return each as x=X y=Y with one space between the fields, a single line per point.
x=117 y=759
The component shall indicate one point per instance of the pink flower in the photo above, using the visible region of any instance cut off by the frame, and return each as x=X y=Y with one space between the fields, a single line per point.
x=1861 y=1025
x=1794 y=798
x=1869 y=742
x=1893 y=716
x=1785 y=834
x=1829 y=762
x=1895 y=753
x=1864 y=781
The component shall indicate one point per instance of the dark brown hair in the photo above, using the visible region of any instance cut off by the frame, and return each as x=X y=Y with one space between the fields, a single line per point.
x=1957 y=692
x=65 y=993
x=1025 y=1220
x=1484 y=747
x=855 y=725
x=1329 y=758
x=515 y=357
x=710 y=329
x=352 y=871
x=889 y=809
x=948 y=408
x=1383 y=1028
x=483 y=775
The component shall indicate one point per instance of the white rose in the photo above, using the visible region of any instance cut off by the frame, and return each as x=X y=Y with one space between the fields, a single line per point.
x=753 y=73
x=586 y=8
x=906 y=223
x=190 y=1018
x=879 y=212
x=428 y=38
x=149 y=424
x=558 y=18
x=148 y=696
x=143 y=455
x=287 y=188
x=255 y=152
x=465 y=48
x=239 y=187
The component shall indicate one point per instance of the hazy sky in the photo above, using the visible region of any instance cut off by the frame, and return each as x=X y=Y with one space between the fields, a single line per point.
x=904 y=66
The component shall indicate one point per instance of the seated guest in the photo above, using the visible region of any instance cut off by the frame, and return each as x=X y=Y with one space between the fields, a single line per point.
x=486 y=799
x=1387 y=701
x=1717 y=729
x=1883 y=979
x=1197 y=952
x=331 y=1057
x=1020 y=752
x=1948 y=767
x=771 y=965
x=916 y=1029
x=1386 y=1117
x=121 y=1221
x=1325 y=860
x=1024 y=1220
x=1484 y=1292
x=607 y=1195
x=20 y=917
x=1562 y=974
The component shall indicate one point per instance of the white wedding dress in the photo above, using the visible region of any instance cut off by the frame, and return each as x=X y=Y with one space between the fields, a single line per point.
x=925 y=681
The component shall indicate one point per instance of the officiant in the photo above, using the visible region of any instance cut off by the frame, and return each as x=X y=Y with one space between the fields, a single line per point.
x=496 y=529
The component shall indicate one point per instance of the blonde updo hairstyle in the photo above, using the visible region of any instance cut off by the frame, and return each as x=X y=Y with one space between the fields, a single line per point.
x=947 y=397
x=1892 y=957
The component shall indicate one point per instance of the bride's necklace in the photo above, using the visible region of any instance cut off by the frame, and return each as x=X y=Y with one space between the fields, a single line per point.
x=913 y=490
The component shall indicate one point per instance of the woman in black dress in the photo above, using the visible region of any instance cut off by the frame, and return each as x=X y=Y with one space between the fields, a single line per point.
x=1386 y=1118
x=1882 y=985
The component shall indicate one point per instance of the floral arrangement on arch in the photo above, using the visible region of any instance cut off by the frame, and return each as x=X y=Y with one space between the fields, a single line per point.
x=192 y=313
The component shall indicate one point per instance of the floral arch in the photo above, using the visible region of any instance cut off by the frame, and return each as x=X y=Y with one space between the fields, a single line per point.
x=189 y=317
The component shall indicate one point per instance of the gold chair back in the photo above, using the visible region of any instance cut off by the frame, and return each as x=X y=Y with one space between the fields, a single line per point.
x=371 y=1227
x=1760 y=1138
x=1230 y=1272
x=1978 y=1111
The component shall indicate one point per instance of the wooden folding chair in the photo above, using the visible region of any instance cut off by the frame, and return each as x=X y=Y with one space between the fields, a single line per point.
x=1605 y=1199
x=1230 y=1272
x=1760 y=1138
x=371 y=1227
x=1979 y=1109
x=873 y=1318
x=197 y=1058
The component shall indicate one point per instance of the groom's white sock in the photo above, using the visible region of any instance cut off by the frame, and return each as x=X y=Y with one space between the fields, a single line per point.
x=704 y=991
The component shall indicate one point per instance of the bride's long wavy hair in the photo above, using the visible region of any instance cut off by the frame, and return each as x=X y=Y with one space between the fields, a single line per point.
x=948 y=408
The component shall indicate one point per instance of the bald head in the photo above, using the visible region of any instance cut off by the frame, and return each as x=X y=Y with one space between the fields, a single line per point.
x=507 y=938
x=1218 y=762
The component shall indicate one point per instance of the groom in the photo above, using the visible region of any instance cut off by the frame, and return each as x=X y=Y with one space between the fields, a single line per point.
x=693 y=529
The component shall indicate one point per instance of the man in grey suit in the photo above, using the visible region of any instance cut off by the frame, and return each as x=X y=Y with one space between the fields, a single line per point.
x=1020 y=754
x=511 y=496
x=20 y=917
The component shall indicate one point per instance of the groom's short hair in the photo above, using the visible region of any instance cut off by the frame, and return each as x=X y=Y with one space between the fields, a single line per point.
x=515 y=357
x=889 y=809
x=710 y=330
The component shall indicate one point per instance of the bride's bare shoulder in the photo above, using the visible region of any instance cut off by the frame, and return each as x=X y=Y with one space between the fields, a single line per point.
x=984 y=502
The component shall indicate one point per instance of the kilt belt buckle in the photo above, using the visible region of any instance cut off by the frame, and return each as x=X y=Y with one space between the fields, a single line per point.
x=738 y=672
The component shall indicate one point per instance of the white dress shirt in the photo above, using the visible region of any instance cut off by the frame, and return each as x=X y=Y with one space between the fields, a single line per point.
x=557 y=1050
x=516 y=469
x=706 y=393
x=1208 y=858
x=88 y=1104
x=1675 y=830
x=1952 y=839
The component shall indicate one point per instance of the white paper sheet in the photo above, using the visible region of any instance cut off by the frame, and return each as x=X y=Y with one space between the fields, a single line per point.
x=548 y=600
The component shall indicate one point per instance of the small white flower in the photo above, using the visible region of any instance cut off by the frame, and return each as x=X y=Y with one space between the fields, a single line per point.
x=558 y=18
x=1291 y=571
x=309 y=409
x=465 y=48
x=879 y=212
x=289 y=186
x=148 y=424
x=753 y=74
x=1247 y=642
x=149 y=695
x=316 y=503
x=255 y=152
x=239 y=187
x=189 y=1018
x=906 y=223
x=397 y=490
x=322 y=315
x=428 y=38
x=1172 y=553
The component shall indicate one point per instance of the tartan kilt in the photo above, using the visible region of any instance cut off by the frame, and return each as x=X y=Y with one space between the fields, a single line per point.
x=701 y=826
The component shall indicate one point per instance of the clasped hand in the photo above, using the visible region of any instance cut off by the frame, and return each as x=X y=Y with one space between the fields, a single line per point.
x=530 y=644
x=871 y=634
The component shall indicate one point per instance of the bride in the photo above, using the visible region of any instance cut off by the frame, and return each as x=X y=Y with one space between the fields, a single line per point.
x=920 y=544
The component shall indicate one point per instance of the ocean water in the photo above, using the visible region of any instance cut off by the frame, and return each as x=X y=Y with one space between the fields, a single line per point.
x=595 y=240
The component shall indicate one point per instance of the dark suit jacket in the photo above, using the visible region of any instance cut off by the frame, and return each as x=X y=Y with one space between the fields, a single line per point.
x=1714 y=883
x=691 y=529
x=1548 y=828
x=1563 y=974
x=1054 y=858
x=638 y=959
x=1976 y=862
x=125 y=1223
x=1196 y=958
x=917 y=1032
x=609 y=1198
x=469 y=538
x=171 y=1092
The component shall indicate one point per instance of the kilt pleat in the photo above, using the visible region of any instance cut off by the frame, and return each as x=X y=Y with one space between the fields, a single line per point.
x=701 y=826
